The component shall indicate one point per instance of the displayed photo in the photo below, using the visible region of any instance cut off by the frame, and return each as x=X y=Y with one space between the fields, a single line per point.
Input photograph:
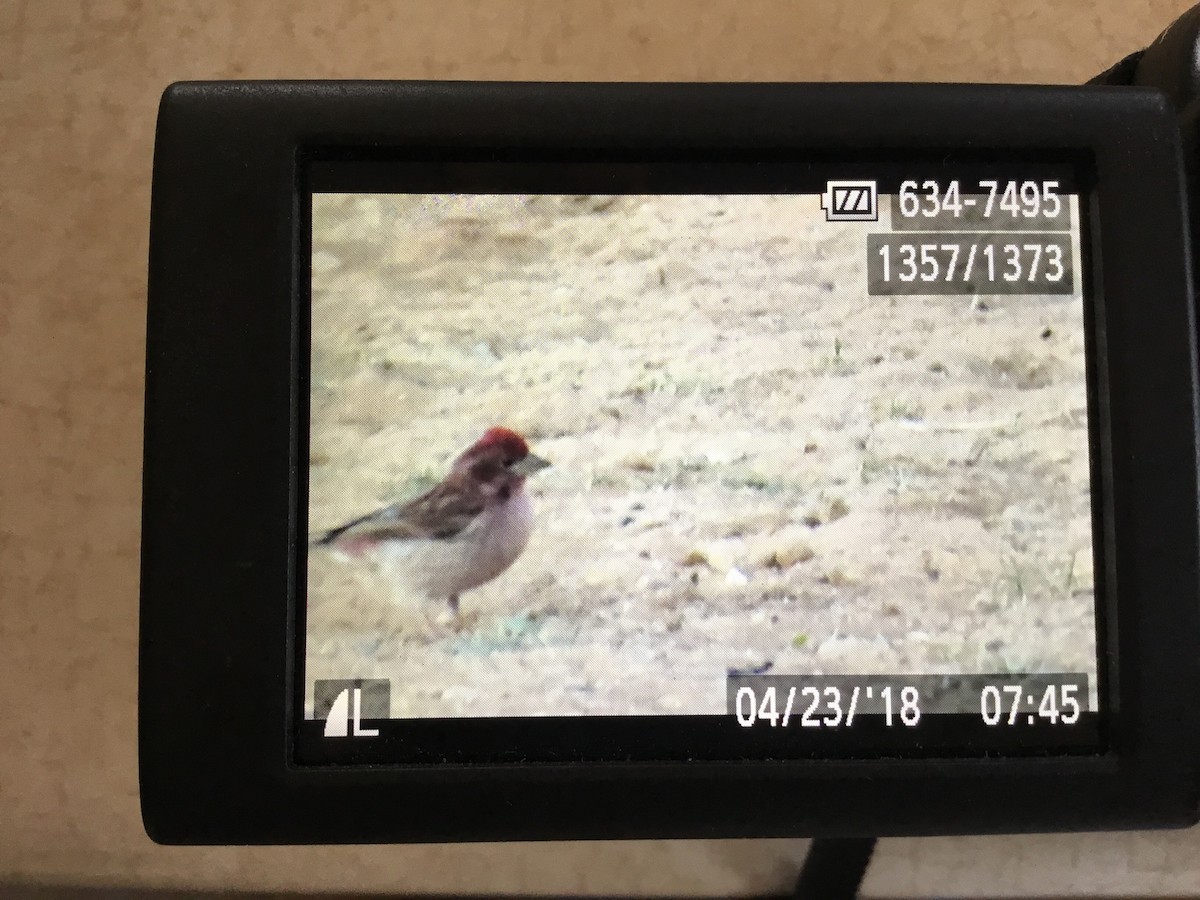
x=594 y=455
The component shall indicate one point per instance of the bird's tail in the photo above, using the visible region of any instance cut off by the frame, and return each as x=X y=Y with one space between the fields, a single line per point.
x=330 y=537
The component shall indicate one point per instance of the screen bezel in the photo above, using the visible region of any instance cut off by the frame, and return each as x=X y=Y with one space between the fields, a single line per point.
x=223 y=406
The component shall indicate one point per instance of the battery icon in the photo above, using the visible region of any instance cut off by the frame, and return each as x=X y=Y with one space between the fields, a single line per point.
x=850 y=201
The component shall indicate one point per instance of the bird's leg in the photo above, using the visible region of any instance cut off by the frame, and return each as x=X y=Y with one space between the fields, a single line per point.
x=459 y=620
x=456 y=619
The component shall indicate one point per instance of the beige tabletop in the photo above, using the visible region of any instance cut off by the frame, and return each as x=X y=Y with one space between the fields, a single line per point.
x=79 y=85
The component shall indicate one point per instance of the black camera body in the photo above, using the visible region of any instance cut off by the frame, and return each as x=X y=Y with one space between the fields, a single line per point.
x=872 y=418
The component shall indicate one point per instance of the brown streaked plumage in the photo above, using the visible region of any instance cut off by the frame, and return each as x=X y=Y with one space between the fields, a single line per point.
x=460 y=534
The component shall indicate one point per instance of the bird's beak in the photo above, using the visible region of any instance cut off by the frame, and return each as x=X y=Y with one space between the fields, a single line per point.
x=530 y=464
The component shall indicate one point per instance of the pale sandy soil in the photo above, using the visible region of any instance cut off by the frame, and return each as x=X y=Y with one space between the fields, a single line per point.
x=753 y=461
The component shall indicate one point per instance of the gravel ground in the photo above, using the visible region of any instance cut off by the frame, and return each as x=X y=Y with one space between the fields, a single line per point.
x=754 y=461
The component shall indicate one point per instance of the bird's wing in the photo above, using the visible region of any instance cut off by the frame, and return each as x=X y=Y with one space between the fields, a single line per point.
x=440 y=514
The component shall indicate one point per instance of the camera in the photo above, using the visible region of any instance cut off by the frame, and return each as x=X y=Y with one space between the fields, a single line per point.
x=531 y=461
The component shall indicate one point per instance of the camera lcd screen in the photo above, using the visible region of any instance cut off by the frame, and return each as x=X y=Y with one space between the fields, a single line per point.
x=761 y=459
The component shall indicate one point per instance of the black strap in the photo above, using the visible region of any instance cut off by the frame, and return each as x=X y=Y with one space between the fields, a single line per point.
x=834 y=868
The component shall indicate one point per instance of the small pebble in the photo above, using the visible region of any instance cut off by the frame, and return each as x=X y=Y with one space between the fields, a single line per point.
x=838 y=508
x=787 y=555
x=761 y=669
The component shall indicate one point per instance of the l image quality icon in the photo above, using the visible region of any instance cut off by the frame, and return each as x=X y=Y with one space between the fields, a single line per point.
x=344 y=704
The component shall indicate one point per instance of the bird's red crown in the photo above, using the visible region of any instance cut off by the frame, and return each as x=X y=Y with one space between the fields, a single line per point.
x=505 y=438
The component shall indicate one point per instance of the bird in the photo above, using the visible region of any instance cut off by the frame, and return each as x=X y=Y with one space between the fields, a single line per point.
x=462 y=533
